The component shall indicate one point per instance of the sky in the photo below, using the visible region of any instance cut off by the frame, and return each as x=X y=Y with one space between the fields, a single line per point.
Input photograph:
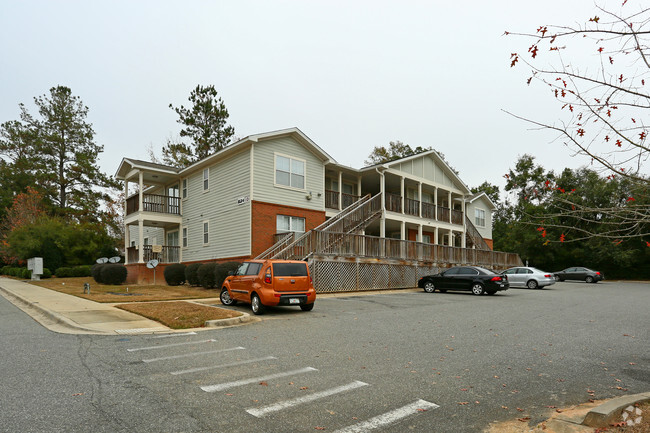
x=351 y=75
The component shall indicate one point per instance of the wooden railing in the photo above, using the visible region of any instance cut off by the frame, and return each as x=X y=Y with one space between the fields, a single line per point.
x=456 y=216
x=474 y=236
x=428 y=211
x=154 y=203
x=169 y=254
x=443 y=214
x=348 y=199
x=341 y=244
x=331 y=199
x=412 y=207
x=393 y=203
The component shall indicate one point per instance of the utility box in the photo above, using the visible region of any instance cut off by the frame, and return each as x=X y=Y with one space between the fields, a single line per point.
x=35 y=264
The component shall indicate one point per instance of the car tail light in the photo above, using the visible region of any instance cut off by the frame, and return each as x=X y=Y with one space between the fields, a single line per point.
x=597 y=273
x=267 y=277
x=548 y=276
x=497 y=278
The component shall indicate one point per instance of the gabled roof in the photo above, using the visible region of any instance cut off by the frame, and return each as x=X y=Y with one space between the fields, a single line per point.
x=481 y=195
x=155 y=173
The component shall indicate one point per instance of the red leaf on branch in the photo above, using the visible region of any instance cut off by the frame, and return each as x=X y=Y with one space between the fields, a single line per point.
x=629 y=199
x=581 y=132
x=642 y=135
x=562 y=237
x=619 y=143
x=607 y=138
x=600 y=50
x=633 y=120
x=647 y=244
x=533 y=50
x=515 y=60
x=594 y=19
x=620 y=78
x=611 y=60
x=542 y=30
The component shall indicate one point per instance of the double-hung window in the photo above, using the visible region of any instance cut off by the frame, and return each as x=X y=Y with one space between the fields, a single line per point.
x=184 y=237
x=184 y=188
x=287 y=223
x=206 y=179
x=289 y=172
x=206 y=232
x=479 y=217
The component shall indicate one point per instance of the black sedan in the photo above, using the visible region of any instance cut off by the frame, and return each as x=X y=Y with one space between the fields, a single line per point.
x=470 y=278
x=579 y=274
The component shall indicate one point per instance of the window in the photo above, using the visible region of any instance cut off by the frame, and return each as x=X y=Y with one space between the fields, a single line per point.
x=184 y=188
x=145 y=241
x=287 y=223
x=184 y=237
x=426 y=239
x=479 y=217
x=206 y=179
x=248 y=268
x=289 y=172
x=206 y=232
x=290 y=269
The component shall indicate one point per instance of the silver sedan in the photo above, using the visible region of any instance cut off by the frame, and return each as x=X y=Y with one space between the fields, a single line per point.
x=532 y=278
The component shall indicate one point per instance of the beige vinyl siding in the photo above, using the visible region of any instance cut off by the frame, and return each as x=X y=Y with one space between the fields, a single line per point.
x=229 y=223
x=265 y=189
x=426 y=168
x=486 y=231
x=156 y=235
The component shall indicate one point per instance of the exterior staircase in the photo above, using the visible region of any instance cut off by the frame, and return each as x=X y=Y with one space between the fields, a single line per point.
x=475 y=237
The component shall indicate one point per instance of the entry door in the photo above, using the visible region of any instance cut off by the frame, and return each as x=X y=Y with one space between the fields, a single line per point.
x=172 y=239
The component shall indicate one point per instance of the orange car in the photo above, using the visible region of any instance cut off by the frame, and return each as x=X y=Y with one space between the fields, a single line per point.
x=266 y=283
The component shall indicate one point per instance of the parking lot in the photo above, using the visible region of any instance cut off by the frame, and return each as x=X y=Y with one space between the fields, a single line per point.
x=390 y=362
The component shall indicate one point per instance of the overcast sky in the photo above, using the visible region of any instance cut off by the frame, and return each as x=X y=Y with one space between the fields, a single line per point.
x=350 y=74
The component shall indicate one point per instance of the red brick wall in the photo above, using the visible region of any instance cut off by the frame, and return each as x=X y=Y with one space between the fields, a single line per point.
x=490 y=243
x=264 y=222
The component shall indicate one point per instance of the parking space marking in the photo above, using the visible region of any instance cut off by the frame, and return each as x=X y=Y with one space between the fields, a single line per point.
x=389 y=417
x=175 y=335
x=212 y=367
x=228 y=385
x=186 y=355
x=262 y=411
x=164 y=346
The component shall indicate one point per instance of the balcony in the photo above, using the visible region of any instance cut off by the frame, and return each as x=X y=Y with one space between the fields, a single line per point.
x=412 y=207
x=167 y=254
x=332 y=199
x=393 y=203
x=154 y=203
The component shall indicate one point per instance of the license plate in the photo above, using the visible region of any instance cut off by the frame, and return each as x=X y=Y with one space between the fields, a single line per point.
x=294 y=301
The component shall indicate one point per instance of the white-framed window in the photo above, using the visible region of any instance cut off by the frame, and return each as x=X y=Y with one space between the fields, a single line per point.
x=132 y=243
x=206 y=232
x=145 y=241
x=206 y=179
x=286 y=223
x=426 y=239
x=184 y=188
x=289 y=171
x=479 y=217
x=184 y=230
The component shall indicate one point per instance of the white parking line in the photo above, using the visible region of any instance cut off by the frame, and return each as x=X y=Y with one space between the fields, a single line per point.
x=212 y=367
x=164 y=346
x=175 y=335
x=389 y=417
x=260 y=412
x=227 y=385
x=186 y=355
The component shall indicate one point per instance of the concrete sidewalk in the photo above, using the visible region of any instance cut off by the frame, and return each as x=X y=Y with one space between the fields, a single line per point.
x=73 y=315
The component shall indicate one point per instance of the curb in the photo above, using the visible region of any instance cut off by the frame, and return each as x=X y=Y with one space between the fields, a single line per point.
x=607 y=413
x=244 y=318
x=23 y=304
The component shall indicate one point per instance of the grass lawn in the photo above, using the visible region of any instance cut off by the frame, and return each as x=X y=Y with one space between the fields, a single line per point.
x=125 y=292
x=179 y=315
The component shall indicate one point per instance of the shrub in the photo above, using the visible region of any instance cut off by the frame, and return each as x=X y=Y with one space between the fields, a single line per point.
x=46 y=273
x=206 y=275
x=95 y=272
x=191 y=275
x=221 y=272
x=5 y=270
x=112 y=273
x=25 y=273
x=81 y=271
x=175 y=274
x=63 y=272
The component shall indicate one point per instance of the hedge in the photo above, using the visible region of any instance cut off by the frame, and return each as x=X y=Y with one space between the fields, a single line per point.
x=221 y=272
x=76 y=271
x=175 y=274
x=112 y=273
x=191 y=275
x=206 y=275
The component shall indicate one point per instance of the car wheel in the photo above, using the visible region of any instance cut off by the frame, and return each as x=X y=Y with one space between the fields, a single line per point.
x=225 y=297
x=307 y=307
x=532 y=284
x=256 y=305
x=478 y=289
x=589 y=279
x=429 y=287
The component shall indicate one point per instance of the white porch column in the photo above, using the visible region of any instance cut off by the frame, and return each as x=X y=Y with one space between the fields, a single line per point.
x=419 y=239
x=140 y=237
x=127 y=236
x=420 y=200
x=449 y=205
x=382 y=190
x=340 y=190
x=402 y=230
x=464 y=236
x=435 y=236
x=141 y=185
x=359 y=186
x=435 y=205
x=452 y=241
x=401 y=199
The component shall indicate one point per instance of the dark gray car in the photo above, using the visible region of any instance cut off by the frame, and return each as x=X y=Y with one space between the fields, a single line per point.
x=579 y=274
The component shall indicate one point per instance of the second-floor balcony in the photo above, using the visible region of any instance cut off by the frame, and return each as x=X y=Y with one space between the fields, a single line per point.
x=154 y=203
x=332 y=199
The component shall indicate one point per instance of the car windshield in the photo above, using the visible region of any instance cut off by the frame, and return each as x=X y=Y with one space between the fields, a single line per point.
x=290 y=269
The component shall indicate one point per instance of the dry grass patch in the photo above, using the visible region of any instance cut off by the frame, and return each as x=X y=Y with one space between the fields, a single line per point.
x=179 y=315
x=125 y=292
